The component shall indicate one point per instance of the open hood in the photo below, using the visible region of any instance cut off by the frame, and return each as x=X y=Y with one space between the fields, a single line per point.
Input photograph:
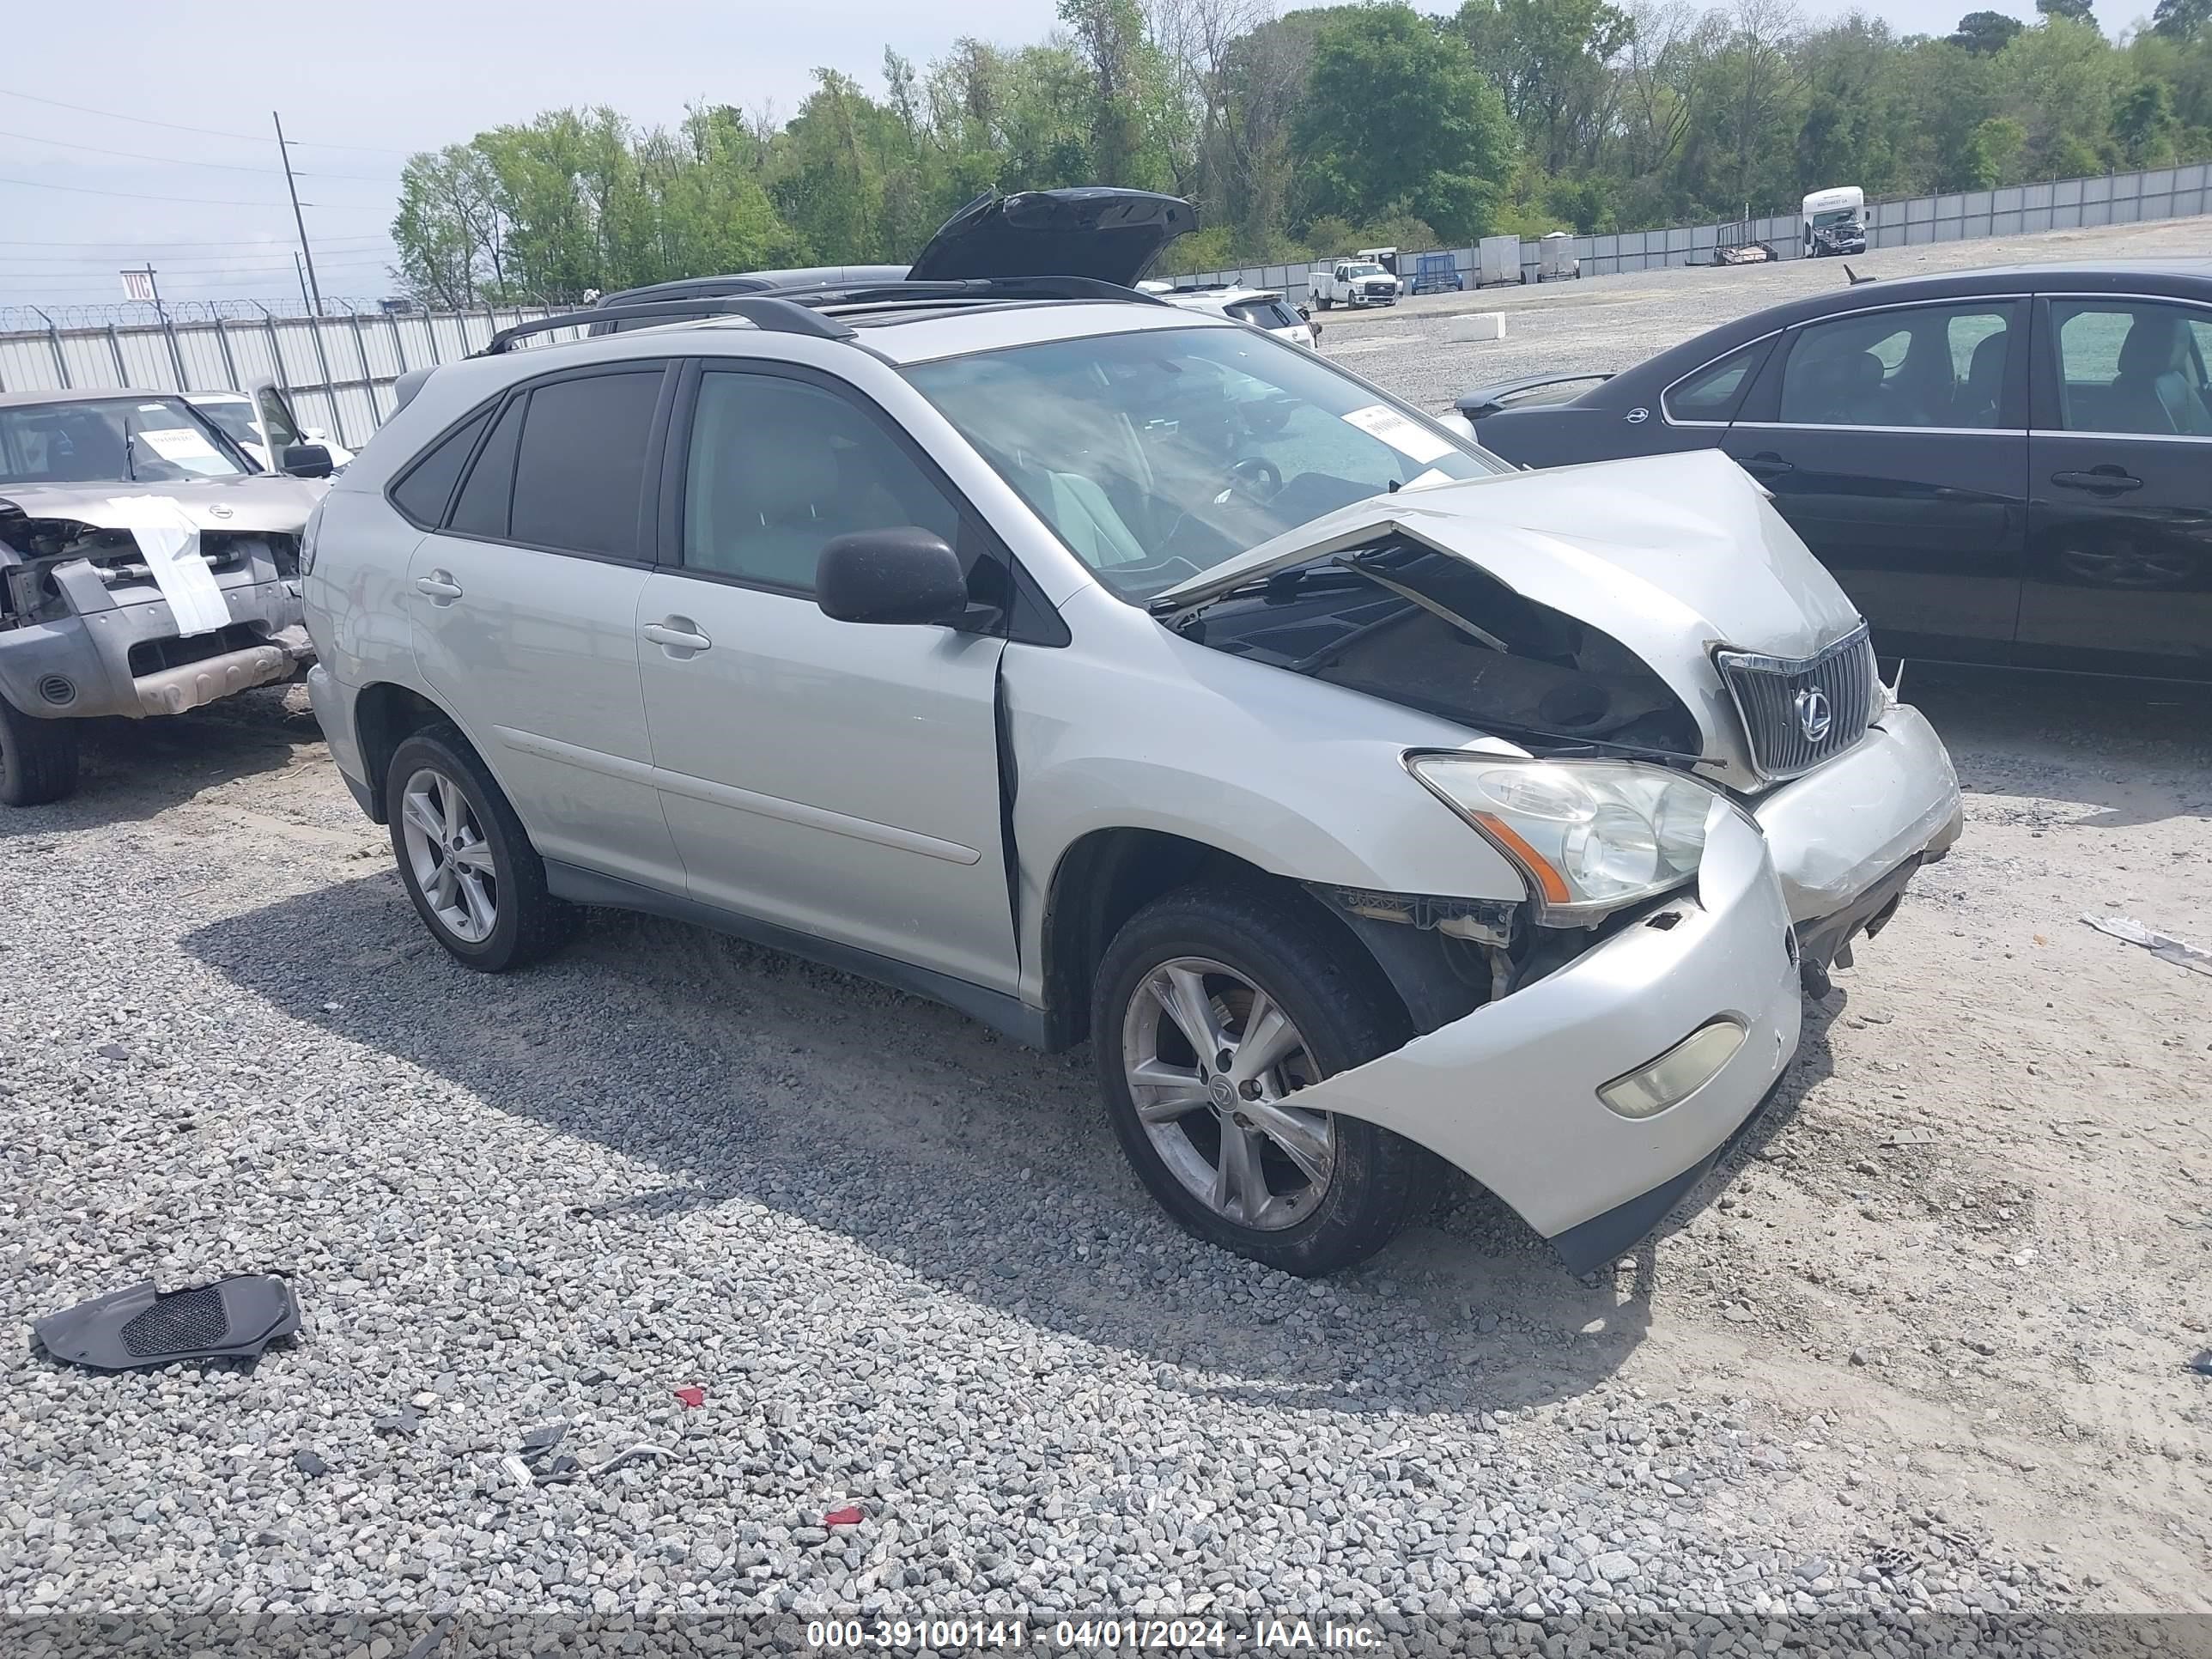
x=1671 y=555
x=1093 y=230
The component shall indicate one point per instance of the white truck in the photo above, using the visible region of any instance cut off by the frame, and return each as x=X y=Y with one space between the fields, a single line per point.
x=1352 y=282
x=1835 y=221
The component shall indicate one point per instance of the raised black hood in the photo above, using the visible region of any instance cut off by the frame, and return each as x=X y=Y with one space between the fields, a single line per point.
x=1092 y=230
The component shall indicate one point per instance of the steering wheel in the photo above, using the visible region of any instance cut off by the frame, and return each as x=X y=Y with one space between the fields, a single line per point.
x=1257 y=476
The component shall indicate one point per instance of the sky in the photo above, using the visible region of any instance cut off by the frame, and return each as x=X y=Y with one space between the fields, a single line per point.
x=192 y=181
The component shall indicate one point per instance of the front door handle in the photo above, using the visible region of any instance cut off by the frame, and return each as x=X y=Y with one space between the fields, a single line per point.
x=1767 y=465
x=677 y=634
x=440 y=586
x=2099 y=480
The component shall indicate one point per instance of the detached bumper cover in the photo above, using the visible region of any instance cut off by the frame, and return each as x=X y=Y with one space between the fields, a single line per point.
x=1839 y=830
x=1508 y=1094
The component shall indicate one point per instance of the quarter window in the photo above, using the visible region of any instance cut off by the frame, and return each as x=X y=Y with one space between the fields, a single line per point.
x=1928 y=366
x=779 y=467
x=580 y=474
x=1713 y=393
x=2133 y=365
x=428 y=486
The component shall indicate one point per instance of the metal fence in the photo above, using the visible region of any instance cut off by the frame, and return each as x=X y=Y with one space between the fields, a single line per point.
x=2015 y=210
x=337 y=371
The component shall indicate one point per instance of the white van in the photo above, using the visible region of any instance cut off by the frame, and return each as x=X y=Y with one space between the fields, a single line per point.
x=1835 y=221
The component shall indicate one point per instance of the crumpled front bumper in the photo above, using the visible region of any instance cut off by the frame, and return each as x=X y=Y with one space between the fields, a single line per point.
x=1836 y=833
x=1509 y=1092
x=79 y=665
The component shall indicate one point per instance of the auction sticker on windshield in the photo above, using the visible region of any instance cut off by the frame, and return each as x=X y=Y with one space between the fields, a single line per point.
x=1408 y=438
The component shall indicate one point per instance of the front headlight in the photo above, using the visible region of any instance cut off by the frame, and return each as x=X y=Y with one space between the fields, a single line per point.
x=1589 y=836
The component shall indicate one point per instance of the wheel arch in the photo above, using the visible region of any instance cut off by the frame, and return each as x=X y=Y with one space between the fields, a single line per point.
x=385 y=715
x=1105 y=876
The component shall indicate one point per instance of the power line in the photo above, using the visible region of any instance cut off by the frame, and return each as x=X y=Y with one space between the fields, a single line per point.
x=209 y=133
x=197 y=201
x=134 y=244
x=179 y=161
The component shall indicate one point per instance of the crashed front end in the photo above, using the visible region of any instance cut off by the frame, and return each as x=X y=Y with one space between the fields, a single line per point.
x=136 y=601
x=1687 y=757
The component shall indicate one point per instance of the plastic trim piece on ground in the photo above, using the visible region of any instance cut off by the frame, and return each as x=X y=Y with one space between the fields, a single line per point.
x=230 y=1319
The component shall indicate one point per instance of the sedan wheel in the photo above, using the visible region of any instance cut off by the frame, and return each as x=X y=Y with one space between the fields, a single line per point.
x=452 y=861
x=1211 y=1059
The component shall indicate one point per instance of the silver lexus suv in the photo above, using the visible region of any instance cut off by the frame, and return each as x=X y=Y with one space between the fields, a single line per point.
x=1109 y=670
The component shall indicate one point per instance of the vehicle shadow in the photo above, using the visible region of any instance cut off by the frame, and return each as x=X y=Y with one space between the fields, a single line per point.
x=2139 y=750
x=735 y=1074
x=132 y=770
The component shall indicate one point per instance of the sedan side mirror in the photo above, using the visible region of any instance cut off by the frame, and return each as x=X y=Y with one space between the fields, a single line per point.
x=306 y=461
x=901 y=575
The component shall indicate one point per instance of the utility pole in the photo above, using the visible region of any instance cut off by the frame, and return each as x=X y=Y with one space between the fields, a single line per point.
x=284 y=150
x=302 y=276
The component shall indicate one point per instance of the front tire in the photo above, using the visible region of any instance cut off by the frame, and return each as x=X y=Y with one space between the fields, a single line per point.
x=1217 y=1136
x=466 y=860
x=37 y=758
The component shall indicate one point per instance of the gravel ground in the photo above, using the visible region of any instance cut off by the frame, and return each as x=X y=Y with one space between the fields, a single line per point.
x=1918 y=1349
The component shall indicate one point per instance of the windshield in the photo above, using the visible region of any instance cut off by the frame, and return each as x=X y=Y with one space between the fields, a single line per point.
x=1368 y=268
x=234 y=417
x=1834 y=216
x=117 y=440
x=1157 y=455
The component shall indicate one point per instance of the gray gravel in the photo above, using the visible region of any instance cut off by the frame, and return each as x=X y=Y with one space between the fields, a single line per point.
x=905 y=1266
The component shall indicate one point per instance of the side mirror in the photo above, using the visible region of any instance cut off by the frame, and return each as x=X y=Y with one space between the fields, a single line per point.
x=306 y=461
x=901 y=575
x=1306 y=312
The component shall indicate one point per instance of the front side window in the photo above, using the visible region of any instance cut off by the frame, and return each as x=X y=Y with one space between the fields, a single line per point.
x=282 y=433
x=781 y=467
x=111 y=440
x=1155 y=455
x=2133 y=365
x=1926 y=366
x=1713 y=393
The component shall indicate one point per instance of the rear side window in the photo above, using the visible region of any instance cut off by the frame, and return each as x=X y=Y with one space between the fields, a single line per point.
x=579 y=475
x=1264 y=313
x=482 y=509
x=421 y=494
x=1713 y=391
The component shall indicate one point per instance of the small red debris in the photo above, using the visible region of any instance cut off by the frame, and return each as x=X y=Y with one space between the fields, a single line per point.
x=850 y=1516
x=694 y=1395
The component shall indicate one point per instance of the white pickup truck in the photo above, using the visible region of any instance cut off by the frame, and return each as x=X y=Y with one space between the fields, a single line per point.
x=1353 y=283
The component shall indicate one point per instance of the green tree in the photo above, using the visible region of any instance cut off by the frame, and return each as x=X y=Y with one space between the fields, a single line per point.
x=2073 y=11
x=1986 y=32
x=1398 y=118
x=2181 y=19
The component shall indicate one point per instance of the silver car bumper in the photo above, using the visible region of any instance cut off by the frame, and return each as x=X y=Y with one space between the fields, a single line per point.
x=1509 y=1093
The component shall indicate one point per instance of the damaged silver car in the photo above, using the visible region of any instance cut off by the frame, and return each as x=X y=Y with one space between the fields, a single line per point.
x=147 y=566
x=1112 y=671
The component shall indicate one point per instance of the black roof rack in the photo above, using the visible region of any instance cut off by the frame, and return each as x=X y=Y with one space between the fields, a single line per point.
x=767 y=311
x=796 y=308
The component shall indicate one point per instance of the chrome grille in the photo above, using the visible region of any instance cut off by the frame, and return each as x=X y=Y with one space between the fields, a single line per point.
x=1783 y=699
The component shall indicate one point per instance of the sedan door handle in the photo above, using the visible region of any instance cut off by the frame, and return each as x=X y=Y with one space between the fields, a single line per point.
x=677 y=633
x=2099 y=480
x=440 y=586
x=1767 y=465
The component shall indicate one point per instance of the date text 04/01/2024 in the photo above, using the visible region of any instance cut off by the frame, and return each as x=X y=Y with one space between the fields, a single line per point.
x=1079 y=1635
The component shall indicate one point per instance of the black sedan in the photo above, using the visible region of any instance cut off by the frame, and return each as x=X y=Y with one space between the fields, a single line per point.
x=2008 y=466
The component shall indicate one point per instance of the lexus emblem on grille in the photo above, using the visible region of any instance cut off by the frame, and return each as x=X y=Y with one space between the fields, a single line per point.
x=1814 y=716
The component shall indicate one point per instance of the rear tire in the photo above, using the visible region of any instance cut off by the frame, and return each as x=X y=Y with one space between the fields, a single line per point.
x=466 y=860
x=37 y=758
x=1245 y=948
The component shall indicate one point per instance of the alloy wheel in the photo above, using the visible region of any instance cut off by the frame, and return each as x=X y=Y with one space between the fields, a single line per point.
x=1211 y=1059
x=446 y=852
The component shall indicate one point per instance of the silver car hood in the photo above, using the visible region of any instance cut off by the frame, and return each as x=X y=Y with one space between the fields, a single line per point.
x=261 y=501
x=1672 y=555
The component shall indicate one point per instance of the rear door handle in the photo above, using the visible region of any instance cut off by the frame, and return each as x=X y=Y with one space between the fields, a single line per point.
x=440 y=586
x=1767 y=465
x=2099 y=480
x=677 y=633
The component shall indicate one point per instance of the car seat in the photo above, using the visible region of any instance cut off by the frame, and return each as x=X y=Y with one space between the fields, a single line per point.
x=2152 y=391
x=1984 y=387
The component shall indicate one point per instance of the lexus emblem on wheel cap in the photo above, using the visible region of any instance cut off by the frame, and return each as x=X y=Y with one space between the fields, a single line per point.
x=1813 y=718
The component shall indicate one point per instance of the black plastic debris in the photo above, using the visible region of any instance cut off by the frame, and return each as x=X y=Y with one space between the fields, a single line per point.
x=231 y=1319
x=406 y=1420
x=2202 y=1363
